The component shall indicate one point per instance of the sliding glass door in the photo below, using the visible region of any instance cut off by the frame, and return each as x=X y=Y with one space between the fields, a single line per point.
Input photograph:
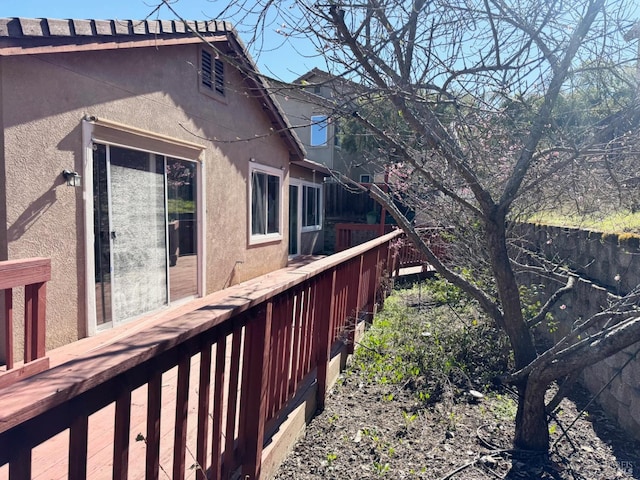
x=138 y=200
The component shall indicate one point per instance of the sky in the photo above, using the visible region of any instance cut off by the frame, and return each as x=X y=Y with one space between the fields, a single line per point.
x=277 y=59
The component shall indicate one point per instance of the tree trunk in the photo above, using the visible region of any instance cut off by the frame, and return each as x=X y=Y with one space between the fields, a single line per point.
x=515 y=326
x=532 y=430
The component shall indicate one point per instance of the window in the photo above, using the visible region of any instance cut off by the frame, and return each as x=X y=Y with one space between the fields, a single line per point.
x=266 y=185
x=212 y=73
x=365 y=178
x=311 y=207
x=319 y=127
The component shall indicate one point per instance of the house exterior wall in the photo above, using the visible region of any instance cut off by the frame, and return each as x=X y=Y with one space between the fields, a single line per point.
x=44 y=99
x=299 y=110
x=299 y=106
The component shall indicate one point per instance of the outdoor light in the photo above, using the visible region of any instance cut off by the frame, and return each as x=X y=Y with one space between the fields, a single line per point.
x=72 y=178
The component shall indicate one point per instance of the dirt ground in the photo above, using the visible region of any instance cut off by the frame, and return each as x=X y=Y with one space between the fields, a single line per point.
x=382 y=431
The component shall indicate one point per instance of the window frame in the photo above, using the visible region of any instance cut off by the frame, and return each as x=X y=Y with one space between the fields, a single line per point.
x=259 y=238
x=369 y=178
x=118 y=135
x=303 y=207
x=316 y=125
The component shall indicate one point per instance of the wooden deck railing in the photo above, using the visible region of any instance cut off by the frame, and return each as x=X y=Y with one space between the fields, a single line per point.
x=352 y=234
x=32 y=274
x=257 y=345
x=409 y=256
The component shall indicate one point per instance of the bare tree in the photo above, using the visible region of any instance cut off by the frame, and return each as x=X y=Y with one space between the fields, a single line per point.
x=466 y=102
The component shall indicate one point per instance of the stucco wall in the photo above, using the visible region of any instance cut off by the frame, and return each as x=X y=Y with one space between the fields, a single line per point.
x=600 y=259
x=45 y=97
x=299 y=108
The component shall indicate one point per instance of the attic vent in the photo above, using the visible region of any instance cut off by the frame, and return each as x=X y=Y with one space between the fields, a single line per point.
x=212 y=73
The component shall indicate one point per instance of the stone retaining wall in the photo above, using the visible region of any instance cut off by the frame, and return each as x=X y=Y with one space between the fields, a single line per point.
x=610 y=265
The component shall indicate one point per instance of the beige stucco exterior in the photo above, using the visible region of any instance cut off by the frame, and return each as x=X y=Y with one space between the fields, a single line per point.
x=318 y=93
x=44 y=99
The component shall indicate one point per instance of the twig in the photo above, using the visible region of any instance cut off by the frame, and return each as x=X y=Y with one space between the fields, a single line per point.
x=564 y=432
x=459 y=469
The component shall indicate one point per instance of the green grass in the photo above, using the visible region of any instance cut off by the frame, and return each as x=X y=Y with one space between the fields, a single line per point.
x=431 y=337
x=624 y=221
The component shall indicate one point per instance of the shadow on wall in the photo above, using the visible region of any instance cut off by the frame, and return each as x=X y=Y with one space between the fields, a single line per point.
x=32 y=213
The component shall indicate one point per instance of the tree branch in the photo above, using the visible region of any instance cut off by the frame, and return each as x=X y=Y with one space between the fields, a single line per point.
x=483 y=299
x=553 y=299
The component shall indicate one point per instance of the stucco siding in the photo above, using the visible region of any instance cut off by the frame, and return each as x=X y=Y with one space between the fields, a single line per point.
x=44 y=99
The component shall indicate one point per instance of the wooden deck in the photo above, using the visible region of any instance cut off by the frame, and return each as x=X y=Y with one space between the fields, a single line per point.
x=211 y=378
x=49 y=459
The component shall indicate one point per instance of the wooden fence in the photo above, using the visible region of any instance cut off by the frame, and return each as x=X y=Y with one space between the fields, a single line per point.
x=256 y=348
x=32 y=274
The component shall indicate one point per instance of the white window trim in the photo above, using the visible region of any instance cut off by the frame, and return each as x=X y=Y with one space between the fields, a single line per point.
x=87 y=184
x=268 y=237
x=312 y=228
x=298 y=233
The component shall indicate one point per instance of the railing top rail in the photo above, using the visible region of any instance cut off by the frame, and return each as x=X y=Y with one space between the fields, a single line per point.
x=16 y=273
x=30 y=397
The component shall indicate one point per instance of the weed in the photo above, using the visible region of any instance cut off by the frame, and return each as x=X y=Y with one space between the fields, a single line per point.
x=505 y=408
x=409 y=418
x=331 y=457
x=456 y=348
x=381 y=468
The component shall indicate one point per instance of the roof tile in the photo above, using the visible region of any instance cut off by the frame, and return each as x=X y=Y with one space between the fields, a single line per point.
x=154 y=26
x=50 y=27
x=83 y=27
x=103 y=27
x=121 y=27
x=139 y=27
x=167 y=26
x=31 y=27
x=59 y=27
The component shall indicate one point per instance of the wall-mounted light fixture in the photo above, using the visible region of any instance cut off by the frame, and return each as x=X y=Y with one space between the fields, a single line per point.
x=72 y=178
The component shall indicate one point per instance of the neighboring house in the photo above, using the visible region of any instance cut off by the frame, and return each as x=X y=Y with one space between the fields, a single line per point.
x=314 y=104
x=184 y=188
x=312 y=109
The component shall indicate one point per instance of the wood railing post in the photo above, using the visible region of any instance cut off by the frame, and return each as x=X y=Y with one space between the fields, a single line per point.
x=154 y=406
x=78 y=435
x=326 y=300
x=33 y=274
x=8 y=328
x=122 y=424
x=182 y=409
x=204 y=389
x=257 y=374
x=34 y=321
x=20 y=465
x=355 y=312
x=377 y=281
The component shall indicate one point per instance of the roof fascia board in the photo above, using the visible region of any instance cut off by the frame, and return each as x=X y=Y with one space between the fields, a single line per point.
x=34 y=47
